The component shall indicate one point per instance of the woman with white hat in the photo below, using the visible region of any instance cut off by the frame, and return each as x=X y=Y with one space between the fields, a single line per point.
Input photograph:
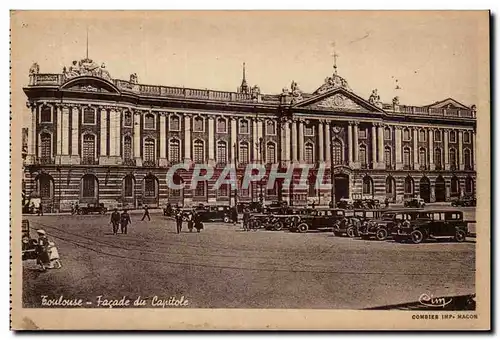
x=43 y=258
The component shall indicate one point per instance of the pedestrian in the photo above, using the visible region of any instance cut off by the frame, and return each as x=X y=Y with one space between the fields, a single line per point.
x=234 y=215
x=313 y=204
x=77 y=208
x=198 y=224
x=115 y=220
x=178 y=221
x=54 y=259
x=386 y=201
x=72 y=208
x=40 y=209
x=146 y=213
x=42 y=255
x=125 y=221
x=246 y=217
x=191 y=218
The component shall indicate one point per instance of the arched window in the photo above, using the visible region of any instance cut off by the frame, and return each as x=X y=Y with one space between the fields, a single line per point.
x=199 y=151
x=469 y=185
x=223 y=190
x=149 y=121
x=244 y=153
x=367 y=185
x=422 y=157
x=89 y=185
x=437 y=158
x=45 y=146
x=175 y=123
x=200 y=191
x=406 y=158
x=453 y=159
x=389 y=185
x=128 y=186
x=421 y=135
x=271 y=153
x=406 y=134
x=337 y=152
x=270 y=128
x=388 y=156
x=408 y=185
x=466 y=137
x=221 y=152
x=127 y=119
x=45 y=186
x=174 y=151
x=198 y=125
x=467 y=159
x=387 y=133
x=88 y=149
x=127 y=147
x=149 y=151
x=46 y=115
x=453 y=136
x=437 y=136
x=311 y=189
x=244 y=126
x=455 y=185
x=309 y=153
x=89 y=116
x=150 y=186
x=362 y=156
x=221 y=125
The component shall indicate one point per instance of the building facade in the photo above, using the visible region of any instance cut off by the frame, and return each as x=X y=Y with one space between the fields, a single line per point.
x=95 y=139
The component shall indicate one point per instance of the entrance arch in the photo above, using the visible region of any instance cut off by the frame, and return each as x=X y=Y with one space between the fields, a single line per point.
x=440 y=189
x=341 y=186
x=390 y=188
x=425 y=189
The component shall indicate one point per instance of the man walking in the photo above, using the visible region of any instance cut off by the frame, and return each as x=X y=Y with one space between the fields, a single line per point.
x=115 y=220
x=146 y=213
x=246 y=217
x=125 y=221
x=178 y=221
x=40 y=209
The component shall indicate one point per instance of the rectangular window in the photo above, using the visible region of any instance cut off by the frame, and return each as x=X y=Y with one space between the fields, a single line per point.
x=308 y=130
x=362 y=133
x=466 y=137
x=127 y=119
x=174 y=123
x=221 y=125
x=244 y=127
x=453 y=137
x=421 y=136
x=270 y=128
x=198 y=125
x=149 y=121
x=200 y=189
x=387 y=134
x=46 y=115
x=88 y=116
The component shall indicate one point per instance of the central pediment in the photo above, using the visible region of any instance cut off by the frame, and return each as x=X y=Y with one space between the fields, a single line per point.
x=338 y=99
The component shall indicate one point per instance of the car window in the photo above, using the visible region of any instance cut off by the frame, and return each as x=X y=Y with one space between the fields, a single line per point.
x=387 y=216
x=437 y=216
x=369 y=214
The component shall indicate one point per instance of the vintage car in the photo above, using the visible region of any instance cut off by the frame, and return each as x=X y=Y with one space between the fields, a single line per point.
x=414 y=203
x=464 y=202
x=92 y=208
x=28 y=244
x=318 y=219
x=345 y=203
x=252 y=206
x=383 y=227
x=433 y=224
x=353 y=221
x=259 y=221
x=367 y=203
x=214 y=213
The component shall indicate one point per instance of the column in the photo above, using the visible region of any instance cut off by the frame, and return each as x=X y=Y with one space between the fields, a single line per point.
x=431 y=150
x=211 y=140
x=460 y=158
x=255 y=141
x=295 y=145
x=416 y=166
x=234 y=139
x=474 y=150
x=374 y=146
x=59 y=130
x=187 y=138
x=355 y=144
x=350 y=159
x=137 y=138
x=75 y=133
x=328 y=143
x=446 y=154
x=301 y=141
x=260 y=134
x=65 y=131
x=163 y=161
x=104 y=132
x=32 y=134
x=399 y=161
x=321 y=142
x=112 y=133
x=381 y=163
x=118 y=135
x=288 y=143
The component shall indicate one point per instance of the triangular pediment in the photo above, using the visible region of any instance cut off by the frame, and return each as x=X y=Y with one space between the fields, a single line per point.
x=338 y=99
x=448 y=103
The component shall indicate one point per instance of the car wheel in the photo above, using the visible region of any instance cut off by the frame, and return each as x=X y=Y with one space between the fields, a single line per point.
x=278 y=226
x=381 y=234
x=226 y=219
x=460 y=236
x=417 y=236
x=303 y=227
x=351 y=232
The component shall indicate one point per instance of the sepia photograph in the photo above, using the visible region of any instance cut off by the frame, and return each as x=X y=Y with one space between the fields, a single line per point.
x=250 y=170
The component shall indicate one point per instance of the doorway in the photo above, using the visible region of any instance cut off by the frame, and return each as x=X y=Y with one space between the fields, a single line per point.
x=425 y=189
x=440 y=189
x=341 y=186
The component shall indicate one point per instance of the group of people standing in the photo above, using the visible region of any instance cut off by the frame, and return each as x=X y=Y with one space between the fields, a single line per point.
x=193 y=222
x=47 y=255
x=122 y=220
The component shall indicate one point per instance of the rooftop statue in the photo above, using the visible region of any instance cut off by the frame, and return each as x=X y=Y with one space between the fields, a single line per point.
x=395 y=101
x=86 y=67
x=34 y=69
x=133 y=78
x=296 y=92
x=332 y=82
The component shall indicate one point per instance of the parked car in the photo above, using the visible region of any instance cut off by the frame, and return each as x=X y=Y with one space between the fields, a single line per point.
x=353 y=221
x=319 y=219
x=464 y=202
x=366 y=203
x=414 y=203
x=436 y=224
x=214 y=213
x=383 y=227
x=252 y=206
x=93 y=208
x=345 y=203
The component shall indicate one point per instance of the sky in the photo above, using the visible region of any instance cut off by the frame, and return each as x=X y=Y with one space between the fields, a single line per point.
x=432 y=55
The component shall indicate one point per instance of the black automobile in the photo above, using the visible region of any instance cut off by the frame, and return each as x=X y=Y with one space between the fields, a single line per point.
x=414 y=203
x=93 y=208
x=345 y=203
x=464 y=202
x=367 y=203
x=353 y=220
x=214 y=213
x=251 y=206
x=383 y=227
x=318 y=219
x=435 y=224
